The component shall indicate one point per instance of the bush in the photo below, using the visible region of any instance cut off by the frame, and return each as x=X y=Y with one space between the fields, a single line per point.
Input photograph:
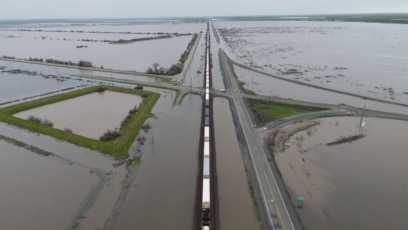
x=34 y=119
x=109 y=135
x=100 y=89
x=47 y=123
x=40 y=121
x=146 y=127
x=133 y=111
x=141 y=140
x=68 y=130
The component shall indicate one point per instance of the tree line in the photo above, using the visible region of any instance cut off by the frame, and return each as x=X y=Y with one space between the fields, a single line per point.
x=54 y=61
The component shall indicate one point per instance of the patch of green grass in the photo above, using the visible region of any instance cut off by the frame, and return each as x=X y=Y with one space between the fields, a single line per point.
x=117 y=148
x=268 y=111
x=245 y=90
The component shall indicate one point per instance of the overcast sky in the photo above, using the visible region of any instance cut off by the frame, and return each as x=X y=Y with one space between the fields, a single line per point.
x=46 y=9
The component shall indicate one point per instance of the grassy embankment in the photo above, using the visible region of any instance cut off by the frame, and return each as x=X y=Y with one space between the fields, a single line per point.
x=268 y=111
x=117 y=147
x=241 y=83
x=245 y=90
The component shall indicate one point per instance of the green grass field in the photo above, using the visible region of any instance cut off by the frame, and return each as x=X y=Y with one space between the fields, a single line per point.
x=117 y=147
x=268 y=111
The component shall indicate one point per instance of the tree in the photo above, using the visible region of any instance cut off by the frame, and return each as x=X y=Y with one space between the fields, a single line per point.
x=155 y=67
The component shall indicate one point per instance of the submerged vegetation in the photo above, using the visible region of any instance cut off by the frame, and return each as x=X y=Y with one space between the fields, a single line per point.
x=118 y=147
x=268 y=111
x=25 y=146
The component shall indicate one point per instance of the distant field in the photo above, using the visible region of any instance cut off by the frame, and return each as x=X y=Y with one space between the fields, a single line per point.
x=382 y=18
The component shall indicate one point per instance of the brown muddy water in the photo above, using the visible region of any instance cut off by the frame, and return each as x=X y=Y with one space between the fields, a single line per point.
x=90 y=115
x=358 y=185
x=162 y=195
x=236 y=207
x=39 y=192
x=102 y=200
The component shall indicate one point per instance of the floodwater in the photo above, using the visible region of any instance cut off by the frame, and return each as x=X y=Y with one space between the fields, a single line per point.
x=364 y=58
x=162 y=195
x=194 y=76
x=74 y=73
x=236 y=207
x=358 y=185
x=217 y=81
x=90 y=115
x=137 y=56
x=20 y=86
x=269 y=86
x=39 y=192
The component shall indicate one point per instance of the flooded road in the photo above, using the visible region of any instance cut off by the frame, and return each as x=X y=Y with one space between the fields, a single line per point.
x=358 y=185
x=236 y=207
x=162 y=195
x=90 y=115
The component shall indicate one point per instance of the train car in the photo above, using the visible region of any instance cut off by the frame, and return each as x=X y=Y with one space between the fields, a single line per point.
x=206 y=204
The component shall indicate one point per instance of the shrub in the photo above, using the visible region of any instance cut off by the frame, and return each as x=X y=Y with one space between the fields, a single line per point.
x=40 y=121
x=34 y=119
x=141 y=140
x=109 y=135
x=146 y=127
x=100 y=89
x=68 y=130
x=133 y=111
x=47 y=123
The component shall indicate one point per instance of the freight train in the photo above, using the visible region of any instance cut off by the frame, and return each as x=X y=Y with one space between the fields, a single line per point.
x=206 y=204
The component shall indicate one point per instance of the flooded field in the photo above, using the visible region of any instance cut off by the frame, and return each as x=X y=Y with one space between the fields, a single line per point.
x=90 y=42
x=217 y=80
x=21 y=85
x=233 y=188
x=158 y=192
x=364 y=58
x=194 y=76
x=269 y=86
x=357 y=185
x=71 y=73
x=37 y=192
x=90 y=115
x=162 y=195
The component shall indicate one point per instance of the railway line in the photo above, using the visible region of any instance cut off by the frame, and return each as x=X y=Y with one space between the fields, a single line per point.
x=206 y=197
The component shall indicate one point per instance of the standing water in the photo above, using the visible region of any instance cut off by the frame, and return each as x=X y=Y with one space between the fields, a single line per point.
x=236 y=206
x=162 y=195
